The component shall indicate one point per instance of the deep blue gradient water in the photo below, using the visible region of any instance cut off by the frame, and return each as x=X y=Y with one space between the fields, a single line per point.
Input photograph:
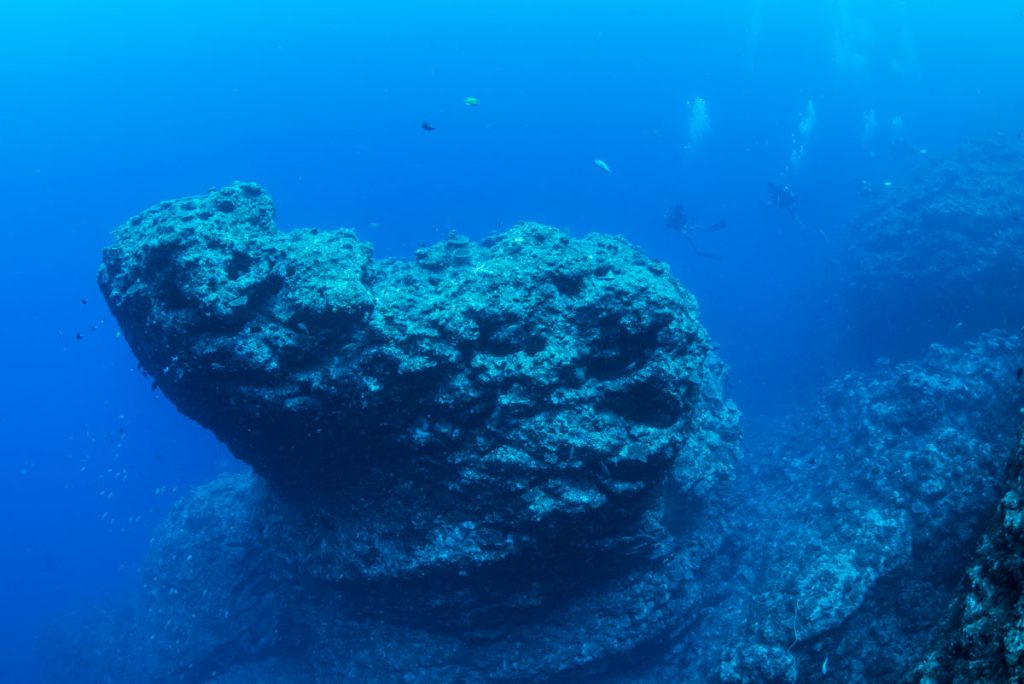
x=108 y=107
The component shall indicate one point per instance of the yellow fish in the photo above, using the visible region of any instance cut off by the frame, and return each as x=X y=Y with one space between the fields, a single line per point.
x=602 y=165
x=471 y=102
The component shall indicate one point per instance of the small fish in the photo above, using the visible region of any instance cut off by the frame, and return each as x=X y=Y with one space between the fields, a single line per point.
x=824 y=666
x=470 y=101
x=84 y=300
x=1020 y=374
x=427 y=126
x=601 y=164
x=78 y=336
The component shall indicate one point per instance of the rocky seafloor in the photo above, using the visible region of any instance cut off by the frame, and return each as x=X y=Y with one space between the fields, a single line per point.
x=513 y=461
x=982 y=637
x=853 y=521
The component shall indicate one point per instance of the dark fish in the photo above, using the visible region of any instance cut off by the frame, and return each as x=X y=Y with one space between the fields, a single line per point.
x=718 y=225
x=1020 y=374
x=427 y=126
x=84 y=300
x=78 y=336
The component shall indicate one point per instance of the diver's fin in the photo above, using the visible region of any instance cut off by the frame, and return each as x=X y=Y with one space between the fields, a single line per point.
x=798 y=222
x=803 y=228
x=698 y=251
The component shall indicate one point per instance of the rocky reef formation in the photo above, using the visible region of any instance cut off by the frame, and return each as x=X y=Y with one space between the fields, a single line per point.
x=982 y=640
x=938 y=257
x=461 y=461
x=854 y=521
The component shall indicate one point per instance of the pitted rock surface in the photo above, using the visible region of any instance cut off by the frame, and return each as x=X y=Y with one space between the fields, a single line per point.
x=480 y=431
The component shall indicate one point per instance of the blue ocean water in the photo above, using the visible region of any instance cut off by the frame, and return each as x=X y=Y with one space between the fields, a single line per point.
x=109 y=107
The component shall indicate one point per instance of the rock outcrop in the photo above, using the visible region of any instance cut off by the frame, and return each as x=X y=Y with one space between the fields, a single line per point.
x=853 y=522
x=469 y=448
x=938 y=257
x=982 y=639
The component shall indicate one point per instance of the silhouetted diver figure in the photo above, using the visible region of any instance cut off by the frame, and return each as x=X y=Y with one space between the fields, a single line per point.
x=782 y=196
x=677 y=221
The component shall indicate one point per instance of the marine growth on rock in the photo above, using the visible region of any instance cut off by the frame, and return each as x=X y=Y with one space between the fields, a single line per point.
x=483 y=435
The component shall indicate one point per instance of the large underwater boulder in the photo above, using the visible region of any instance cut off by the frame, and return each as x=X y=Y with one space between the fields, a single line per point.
x=940 y=257
x=471 y=447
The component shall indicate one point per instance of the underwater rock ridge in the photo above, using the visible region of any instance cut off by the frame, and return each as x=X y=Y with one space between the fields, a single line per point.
x=938 y=257
x=485 y=431
x=887 y=481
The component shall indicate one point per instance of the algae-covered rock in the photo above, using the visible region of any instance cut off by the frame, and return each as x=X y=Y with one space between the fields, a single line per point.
x=478 y=440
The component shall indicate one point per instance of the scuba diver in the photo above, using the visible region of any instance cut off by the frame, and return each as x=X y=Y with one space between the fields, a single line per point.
x=781 y=196
x=677 y=221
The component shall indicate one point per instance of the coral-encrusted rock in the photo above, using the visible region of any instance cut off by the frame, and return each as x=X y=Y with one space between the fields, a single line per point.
x=224 y=591
x=942 y=253
x=482 y=436
x=880 y=494
x=982 y=640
